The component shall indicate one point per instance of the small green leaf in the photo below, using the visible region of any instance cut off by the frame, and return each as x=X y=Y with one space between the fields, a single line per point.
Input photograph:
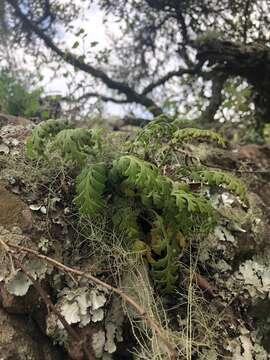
x=75 y=45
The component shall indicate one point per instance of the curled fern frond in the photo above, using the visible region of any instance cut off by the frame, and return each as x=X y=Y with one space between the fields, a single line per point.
x=141 y=179
x=193 y=133
x=156 y=128
x=161 y=128
x=90 y=186
x=74 y=144
x=220 y=178
x=42 y=135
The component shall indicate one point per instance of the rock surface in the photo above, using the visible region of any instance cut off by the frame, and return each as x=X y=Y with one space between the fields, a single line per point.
x=236 y=260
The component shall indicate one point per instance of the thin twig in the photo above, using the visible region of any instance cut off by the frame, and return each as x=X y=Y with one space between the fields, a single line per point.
x=152 y=323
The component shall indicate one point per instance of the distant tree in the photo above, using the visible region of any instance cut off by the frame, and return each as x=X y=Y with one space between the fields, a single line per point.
x=174 y=56
x=16 y=96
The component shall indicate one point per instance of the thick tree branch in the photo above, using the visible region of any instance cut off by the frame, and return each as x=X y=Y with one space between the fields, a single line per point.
x=89 y=95
x=215 y=100
x=122 y=88
x=248 y=61
x=102 y=97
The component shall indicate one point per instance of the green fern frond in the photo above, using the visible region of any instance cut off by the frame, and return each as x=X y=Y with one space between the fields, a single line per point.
x=42 y=135
x=74 y=144
x=90 y=186
x=125 y=218
x=139 y=173
x=187 y=201
x=143 y=179
x=159 y=236
x=164 y=269
x=182 y=123
x=160 y=192
x=220 y=178
x=161 y=127
x=193 y=133
x=191 y=212
x=156 y=128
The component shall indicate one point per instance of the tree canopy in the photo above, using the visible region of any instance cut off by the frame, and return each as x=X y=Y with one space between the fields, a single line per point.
x=173 y=57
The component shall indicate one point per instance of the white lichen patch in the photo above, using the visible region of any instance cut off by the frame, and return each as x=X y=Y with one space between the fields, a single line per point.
x=82 y=305
x=256 y=277
x=87 y=306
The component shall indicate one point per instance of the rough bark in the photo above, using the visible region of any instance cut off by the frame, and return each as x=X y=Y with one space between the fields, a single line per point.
x=251 y=62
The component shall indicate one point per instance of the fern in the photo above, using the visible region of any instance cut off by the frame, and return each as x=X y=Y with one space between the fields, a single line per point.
x=158 y=191
x=160 y=127
x=220 y=178
x=152 y=210
x=90 y=186
x=193 y=133
x=74 y=144
x=42 y=135
x=154 y=139
x=165 y=268
x=140 y=174
x=193 y=212
x=125 y=218
x=187 y=201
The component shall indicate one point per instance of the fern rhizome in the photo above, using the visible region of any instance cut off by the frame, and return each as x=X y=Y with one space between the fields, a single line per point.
x=155 y=211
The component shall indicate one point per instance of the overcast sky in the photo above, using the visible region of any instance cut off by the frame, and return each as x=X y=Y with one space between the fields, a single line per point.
x=92 y=22
x=96 y=31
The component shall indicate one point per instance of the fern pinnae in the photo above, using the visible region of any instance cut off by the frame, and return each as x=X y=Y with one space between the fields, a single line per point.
x=138 y=172
x=186 y=134
x=125 y=219
x=73 y=144
x=165 y=268
x=42 y=135
x=90 y=186
x=221 y=178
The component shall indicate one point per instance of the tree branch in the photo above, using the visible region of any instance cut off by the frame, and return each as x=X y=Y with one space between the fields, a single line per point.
x=168 y=76
x=89 y=95
x=215 y=100
x=248 y=61
x=135 y=121
x=121 y=87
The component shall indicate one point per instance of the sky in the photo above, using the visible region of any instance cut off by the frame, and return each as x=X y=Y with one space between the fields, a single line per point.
x=92 y=21
x=96 y=31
